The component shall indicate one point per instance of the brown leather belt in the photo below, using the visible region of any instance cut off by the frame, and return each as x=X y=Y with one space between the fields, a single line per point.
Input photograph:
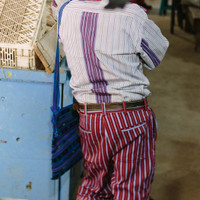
x=113 y=106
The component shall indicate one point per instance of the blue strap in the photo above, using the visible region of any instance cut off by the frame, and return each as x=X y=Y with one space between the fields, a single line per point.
x=56 y=91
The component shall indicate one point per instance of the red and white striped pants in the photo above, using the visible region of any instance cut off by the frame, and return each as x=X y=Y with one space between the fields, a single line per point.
x=118 y=154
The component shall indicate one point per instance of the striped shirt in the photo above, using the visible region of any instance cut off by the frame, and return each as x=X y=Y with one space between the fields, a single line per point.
x=106 y=49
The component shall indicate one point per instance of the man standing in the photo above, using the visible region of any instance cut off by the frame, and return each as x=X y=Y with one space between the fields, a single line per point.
x=106 y=50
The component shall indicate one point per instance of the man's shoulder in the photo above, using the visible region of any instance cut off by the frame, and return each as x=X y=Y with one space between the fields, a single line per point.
x=134 y=10
x=130 y=9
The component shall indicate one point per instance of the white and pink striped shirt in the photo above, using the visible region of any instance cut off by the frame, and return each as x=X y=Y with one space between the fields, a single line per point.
x=105 y=50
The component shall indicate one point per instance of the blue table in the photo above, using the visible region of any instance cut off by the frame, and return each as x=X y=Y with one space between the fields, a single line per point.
x=26 y=133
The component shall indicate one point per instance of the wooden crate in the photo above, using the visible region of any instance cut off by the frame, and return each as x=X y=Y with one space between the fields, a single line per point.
x=46 y=50
x=22 y=22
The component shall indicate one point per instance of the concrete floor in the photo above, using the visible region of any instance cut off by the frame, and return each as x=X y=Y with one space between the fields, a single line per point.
x=175 y=87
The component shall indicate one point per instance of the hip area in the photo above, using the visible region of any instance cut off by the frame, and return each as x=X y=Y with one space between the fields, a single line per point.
x=118 y=116
x=117 y=127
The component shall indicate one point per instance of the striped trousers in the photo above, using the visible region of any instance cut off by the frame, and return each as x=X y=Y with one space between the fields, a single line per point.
x=118 y=154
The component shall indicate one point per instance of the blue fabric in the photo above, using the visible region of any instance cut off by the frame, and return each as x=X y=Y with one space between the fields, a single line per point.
x=66 y=147
x=56 y=92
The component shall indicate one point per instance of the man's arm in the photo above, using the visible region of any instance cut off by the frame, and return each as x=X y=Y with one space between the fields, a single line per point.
x=116 y=3
x=151 y=44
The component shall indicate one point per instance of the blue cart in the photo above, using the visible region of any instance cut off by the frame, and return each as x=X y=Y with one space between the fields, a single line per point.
x=26 y=134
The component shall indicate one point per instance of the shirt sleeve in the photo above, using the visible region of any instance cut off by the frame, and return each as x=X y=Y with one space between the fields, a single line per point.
x=151 y=44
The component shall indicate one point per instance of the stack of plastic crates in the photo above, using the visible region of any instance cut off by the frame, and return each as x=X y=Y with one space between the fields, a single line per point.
x=22 y=22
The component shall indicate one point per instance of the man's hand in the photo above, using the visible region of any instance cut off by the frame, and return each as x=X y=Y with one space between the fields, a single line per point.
x=116 y=3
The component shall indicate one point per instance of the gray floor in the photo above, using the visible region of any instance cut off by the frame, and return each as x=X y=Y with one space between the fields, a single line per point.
x=175 y=87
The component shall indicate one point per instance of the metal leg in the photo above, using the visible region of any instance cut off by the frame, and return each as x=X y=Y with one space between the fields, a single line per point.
x=162 y=5
x=59 y=188
x=172 y=17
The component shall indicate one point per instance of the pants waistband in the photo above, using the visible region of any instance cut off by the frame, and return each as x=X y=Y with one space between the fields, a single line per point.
x=112 y=106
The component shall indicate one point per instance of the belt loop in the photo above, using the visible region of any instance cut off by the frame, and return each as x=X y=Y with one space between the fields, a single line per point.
x=145 y=103
x=124 y=106
x=104 y=108
x=85 y=109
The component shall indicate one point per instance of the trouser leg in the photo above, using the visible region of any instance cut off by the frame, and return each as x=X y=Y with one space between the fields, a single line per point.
x=134 y=168
x=96 y=161
x=133 y=137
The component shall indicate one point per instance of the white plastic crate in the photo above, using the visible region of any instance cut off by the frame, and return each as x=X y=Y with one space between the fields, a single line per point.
x=22 y=22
